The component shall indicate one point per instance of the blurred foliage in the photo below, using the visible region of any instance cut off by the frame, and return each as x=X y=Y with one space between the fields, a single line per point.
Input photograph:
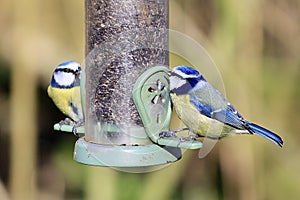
x=256 y=47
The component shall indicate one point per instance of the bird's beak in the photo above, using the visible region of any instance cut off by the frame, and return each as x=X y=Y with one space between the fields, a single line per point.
x=77 y=73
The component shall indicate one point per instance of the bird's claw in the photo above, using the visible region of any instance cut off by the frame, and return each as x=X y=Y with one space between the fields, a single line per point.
x=167 y=134
x=186 y=141
x=66 y=121
x=76 y=126
x=171 y=133
x=189 y=138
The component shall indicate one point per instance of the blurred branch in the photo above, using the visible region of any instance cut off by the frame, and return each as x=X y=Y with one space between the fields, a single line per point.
x=23 y=101
x=3 y=192
x=279 y=15
x=181 y=21
x=157 y=187
x=75 y=24
x=96 y=186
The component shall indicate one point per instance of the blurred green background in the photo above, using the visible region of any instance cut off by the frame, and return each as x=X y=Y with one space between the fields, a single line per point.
x=256 y=46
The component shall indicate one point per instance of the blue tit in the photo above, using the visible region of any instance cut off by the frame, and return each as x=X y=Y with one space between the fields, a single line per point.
x=202 y=108
x=64 y=90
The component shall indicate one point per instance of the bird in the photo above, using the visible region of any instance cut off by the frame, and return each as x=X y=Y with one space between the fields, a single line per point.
x=205 y=111
x=64 y=90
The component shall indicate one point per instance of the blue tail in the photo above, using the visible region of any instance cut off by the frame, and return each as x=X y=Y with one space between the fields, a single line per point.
x=266 y=134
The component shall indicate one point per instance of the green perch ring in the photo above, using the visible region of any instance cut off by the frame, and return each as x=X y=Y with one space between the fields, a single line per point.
x=152 y=100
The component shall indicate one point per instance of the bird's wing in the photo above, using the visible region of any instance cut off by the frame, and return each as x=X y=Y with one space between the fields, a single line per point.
x=218 y=108
x=75 y=104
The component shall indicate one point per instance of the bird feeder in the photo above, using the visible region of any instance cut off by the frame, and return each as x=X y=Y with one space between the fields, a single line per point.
x=125 y=87
x=124 y=39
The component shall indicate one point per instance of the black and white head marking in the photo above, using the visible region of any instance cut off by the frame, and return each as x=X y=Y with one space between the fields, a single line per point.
x=66 y=75
x=183 y=79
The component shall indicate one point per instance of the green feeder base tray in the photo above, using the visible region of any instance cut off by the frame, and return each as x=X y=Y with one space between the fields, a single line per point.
x=124 y=156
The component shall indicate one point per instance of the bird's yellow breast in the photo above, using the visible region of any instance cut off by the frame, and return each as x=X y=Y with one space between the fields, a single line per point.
x=197 y=122
x=64 y=98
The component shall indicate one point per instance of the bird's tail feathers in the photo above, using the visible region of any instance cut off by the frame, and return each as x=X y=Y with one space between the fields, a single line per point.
x=266 y=134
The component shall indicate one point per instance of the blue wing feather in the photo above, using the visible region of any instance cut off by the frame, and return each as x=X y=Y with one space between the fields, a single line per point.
x=228 y=116
x=233 y=118
x=204 y=109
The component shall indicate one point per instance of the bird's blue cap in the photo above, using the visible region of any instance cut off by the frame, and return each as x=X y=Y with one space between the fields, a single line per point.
x=188 y=70
x=187 y=79
x=67 y=63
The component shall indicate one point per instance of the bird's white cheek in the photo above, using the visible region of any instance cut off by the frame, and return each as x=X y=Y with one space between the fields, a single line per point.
x=64 y=79
x=176 y=82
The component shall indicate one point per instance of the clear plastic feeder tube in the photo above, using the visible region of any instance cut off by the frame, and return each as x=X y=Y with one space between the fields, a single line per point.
x=124 y=38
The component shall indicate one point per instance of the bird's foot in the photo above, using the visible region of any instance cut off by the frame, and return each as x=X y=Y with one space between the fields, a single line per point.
x=66 y=121
x=186 y=141
x=171 y=133
x=76 y=126
x=189 y=138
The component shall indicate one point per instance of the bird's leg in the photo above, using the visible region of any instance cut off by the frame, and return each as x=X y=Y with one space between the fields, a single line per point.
x=172 y=133
x=189 y=138
x=76 y=126
x=66 y=121
x=194 y=137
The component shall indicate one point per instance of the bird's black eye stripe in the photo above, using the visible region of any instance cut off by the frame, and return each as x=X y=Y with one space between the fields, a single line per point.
x=177 y=75
x=66 y=70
